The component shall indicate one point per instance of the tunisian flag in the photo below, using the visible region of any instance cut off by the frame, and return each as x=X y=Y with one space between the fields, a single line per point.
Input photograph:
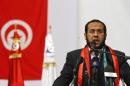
x=30 y=16
x=15 y=70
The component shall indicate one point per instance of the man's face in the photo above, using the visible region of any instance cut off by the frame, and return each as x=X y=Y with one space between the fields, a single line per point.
x=95 y=33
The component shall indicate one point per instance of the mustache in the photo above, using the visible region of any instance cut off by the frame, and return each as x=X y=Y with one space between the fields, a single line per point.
x=92 y=44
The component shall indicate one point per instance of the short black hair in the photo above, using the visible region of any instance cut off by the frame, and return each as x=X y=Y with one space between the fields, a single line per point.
x=95 y=20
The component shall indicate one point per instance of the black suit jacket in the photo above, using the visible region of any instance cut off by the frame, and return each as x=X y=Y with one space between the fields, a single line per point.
x=71 y=60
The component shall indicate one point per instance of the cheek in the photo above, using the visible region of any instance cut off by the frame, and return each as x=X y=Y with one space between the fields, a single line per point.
x=103 y=37
x=89 y=37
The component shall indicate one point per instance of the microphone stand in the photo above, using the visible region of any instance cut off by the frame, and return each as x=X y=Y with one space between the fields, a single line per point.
x=95 y=68
x=75 y=70
x=72 y=83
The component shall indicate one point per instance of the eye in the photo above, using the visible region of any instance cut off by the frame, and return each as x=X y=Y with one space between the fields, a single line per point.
x=100 y=31
x=91 y=31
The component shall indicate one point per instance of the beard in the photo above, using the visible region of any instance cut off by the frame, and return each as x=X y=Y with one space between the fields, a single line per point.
x=101 y=45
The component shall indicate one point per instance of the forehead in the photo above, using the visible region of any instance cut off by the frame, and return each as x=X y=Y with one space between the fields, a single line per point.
x=93 y=25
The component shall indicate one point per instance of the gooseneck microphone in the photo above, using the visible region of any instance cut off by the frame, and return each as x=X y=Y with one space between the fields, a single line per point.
x=94 y=64
x=93 y=46
x=75 y=70
x=79 y=61
x=110 y=79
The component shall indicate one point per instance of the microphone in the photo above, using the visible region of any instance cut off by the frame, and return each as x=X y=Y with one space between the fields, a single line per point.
x=93 y=48
x=93 y=44
x=108 y=76
x=75 y=70
x=79 y=61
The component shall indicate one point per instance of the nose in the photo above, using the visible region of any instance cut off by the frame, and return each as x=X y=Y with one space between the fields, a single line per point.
x=95 y=33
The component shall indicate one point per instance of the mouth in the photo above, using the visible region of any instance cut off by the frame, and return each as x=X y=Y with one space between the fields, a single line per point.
x=96 y=43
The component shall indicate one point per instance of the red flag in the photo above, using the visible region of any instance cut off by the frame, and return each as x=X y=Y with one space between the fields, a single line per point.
x=31 y=19
x=15 y=74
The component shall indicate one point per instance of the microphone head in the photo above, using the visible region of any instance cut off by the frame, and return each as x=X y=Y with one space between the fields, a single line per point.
x=93 y=45
x=94 y=48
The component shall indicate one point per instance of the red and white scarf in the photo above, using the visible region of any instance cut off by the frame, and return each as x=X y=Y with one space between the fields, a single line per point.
x=86 y=57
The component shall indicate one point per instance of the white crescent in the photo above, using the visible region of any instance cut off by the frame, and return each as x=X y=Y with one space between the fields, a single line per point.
x=24 y=41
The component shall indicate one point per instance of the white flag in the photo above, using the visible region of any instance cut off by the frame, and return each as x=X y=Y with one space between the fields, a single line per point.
x=49 y=66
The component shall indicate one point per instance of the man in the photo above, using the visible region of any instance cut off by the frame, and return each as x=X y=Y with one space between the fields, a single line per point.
x=96 y=64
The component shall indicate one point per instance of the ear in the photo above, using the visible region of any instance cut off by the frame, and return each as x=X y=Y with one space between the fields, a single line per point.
x=105 y=36
x=85 y=36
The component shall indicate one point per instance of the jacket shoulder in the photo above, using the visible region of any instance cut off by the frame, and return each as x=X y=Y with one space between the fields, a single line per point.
x=119 y=52
x=77 y=51
x=74 y=55
x=120 y=55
